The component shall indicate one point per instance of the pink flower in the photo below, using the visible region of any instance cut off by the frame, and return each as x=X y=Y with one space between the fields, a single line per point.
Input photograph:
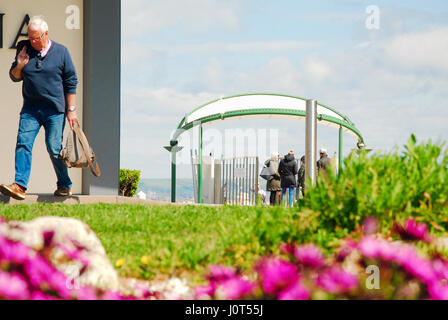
x=207 y=290
x=76 y=244
x=336 y=280
x=370 y=247
x=286 y=248
x=236 y=288
x=276 y=275
x=74 y=255
x=48 y=238
x=44 y=276
x=413 y=231
x=39 y=295
x=12 y=251
x=295 y=292
x=220 y=273
x=420 y=268
x=13 y=286
x=112 y=295
x=404 y=255
x=378 y=248
x=440 y=267
x=309 y=256
x=34 y=277
x=437 y=291
x=390 y=251
x=345 y=249
x=147 y=294
x=86 y=293
x=370 y=225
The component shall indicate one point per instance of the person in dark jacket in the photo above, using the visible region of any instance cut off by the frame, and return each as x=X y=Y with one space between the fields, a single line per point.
x=288 y=170
x=301 y=178
x=273 y=185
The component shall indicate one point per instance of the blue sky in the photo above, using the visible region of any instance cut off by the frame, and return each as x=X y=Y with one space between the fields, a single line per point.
x=177 y=55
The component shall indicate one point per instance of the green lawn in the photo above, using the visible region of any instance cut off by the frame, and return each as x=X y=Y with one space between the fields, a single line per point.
x=185 y=240
x=181 y=240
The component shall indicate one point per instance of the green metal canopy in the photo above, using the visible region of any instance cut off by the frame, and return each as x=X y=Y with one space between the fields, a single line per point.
x=257 y=105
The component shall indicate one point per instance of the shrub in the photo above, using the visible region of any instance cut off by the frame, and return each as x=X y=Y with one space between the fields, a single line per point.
x=386 y=186
x=129 y=182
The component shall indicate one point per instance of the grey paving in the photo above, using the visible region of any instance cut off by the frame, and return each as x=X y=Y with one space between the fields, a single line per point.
x=84 y=199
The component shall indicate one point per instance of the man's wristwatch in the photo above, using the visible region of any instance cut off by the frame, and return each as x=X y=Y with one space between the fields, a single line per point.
x=71 y=108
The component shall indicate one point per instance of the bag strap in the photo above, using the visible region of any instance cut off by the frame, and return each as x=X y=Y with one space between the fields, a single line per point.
x=87 y=151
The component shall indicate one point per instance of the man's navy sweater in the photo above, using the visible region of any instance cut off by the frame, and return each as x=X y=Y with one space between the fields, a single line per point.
x=46 y=80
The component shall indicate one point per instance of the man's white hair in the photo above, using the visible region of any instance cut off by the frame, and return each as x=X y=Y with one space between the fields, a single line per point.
x=38 y=22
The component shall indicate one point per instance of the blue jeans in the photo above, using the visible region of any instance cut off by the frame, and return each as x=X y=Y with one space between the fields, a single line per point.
x=29 y=126
x=291 y=198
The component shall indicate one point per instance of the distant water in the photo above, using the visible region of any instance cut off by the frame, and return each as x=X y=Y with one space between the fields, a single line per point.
x=160 y=189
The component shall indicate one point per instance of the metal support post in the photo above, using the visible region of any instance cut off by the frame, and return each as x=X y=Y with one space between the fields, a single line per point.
x=311 y=140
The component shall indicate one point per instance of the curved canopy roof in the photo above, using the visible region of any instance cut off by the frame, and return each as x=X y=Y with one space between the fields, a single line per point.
x=262 y=105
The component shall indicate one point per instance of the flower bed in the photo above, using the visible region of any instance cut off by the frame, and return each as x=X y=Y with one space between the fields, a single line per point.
x=370 y=268
x=27 y=274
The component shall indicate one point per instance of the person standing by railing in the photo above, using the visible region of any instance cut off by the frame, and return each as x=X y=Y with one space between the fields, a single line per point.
x=301 y=178
x=273 y=185
x=288 y=170
x=323 y=162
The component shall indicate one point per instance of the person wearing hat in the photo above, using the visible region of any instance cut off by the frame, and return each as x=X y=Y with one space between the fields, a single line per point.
x=288 y=170
x=273 y=185
x=323 y=162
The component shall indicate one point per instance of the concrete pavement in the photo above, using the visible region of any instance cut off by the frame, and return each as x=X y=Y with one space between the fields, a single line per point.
x=85 y=199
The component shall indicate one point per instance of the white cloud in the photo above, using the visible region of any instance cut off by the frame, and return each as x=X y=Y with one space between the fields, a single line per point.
x=316 y=69
x=213 y=72
x=222 y=47
x=134 y=54
x=141 y=16
x=276 y=73
x=363 y=44
x=148 y=119
x=269 y=46
x=160 y=104
x=424 y=49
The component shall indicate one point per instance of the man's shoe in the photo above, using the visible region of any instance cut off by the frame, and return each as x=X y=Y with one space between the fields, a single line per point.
x=63 y=192
x=13 y=190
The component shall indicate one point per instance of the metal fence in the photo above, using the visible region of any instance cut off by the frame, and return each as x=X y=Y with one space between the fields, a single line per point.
x=236 y=181
x=233 y=181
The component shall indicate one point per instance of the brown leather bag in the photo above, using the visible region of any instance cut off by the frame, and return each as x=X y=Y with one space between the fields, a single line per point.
x=77 y=152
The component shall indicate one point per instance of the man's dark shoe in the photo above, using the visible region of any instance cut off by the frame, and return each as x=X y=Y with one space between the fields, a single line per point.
x=13 y=190
x=63 y=192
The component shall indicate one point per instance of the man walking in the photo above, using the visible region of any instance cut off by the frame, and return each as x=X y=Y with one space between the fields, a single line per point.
x=49 y=95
